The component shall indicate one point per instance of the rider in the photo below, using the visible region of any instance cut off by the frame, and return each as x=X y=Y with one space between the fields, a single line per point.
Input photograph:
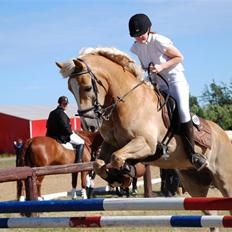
x=59 y=127
x=166 y=59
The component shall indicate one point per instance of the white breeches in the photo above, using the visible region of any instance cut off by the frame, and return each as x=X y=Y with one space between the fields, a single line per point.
x=180 y=92
x=76 y=139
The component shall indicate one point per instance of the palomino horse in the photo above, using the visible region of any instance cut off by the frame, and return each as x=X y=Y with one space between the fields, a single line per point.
x=229 y=133
x=109 y=87
x=45 y=151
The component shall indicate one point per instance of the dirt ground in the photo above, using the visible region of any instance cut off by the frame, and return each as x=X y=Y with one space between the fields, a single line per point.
x=62 y=183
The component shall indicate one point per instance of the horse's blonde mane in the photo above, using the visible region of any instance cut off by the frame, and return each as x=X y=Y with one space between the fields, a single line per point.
x=118 y=57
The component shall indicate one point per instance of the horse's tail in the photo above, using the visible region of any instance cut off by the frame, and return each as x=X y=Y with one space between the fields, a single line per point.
x=25 y=152
x=20 y=162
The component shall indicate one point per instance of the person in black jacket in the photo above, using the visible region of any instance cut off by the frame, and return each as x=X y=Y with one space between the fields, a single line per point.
x=59 y=127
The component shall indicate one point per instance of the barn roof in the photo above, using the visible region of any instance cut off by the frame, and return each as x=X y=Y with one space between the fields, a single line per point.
x=34 y=112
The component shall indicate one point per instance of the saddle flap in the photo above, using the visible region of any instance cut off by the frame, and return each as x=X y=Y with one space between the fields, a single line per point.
x=202 y=133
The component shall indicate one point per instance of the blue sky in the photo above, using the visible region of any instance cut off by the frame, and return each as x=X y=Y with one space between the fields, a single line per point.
x=35 y=34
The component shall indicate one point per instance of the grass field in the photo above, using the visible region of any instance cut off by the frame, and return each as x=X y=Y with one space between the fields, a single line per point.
x=61 y=183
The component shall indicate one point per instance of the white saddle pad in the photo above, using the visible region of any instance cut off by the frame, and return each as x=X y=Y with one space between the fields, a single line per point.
x=68 y=146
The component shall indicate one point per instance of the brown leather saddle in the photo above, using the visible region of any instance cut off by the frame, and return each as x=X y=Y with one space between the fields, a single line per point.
x=202 y=130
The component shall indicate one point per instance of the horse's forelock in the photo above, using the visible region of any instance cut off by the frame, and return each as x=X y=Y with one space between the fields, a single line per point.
x=67 y=69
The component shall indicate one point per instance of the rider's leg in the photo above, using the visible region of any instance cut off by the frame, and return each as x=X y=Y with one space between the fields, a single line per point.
x=197 y=160
x=79 y=152
x=180 y=92
x=79 y=142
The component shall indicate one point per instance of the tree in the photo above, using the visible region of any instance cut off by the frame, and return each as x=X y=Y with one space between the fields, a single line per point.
x=195 y=107
x=217 y=94
x=220 y=114
x=218 y=104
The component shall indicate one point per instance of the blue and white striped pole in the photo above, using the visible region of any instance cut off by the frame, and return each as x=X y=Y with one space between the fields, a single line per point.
x=117 y=204
x=116 y=221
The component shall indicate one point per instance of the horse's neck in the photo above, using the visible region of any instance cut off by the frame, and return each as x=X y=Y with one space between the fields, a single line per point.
x=121 y=83
x=133 y=92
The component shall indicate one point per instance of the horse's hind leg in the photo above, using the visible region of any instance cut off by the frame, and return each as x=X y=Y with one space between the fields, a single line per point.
x=90 y=183
x=197 y=184
x=39 y=184
x=223 y=182
x=20 y=191
x=84 y=185
x=74 y=185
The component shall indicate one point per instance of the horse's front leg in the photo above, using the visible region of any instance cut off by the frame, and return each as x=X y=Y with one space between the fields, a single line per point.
x=137 y=148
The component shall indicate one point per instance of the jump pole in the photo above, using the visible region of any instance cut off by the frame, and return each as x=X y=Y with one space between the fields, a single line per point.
x=116 y=221
x=117 y=204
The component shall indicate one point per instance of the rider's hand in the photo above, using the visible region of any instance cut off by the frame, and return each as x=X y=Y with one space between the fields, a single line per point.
x=157 y=68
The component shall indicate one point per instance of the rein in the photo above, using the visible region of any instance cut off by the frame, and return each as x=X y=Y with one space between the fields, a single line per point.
x=163 y=79
x=107 y=111
x=100 y=112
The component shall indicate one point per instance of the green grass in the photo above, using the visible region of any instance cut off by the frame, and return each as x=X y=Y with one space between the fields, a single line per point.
x=3 y=155
x=7 y=162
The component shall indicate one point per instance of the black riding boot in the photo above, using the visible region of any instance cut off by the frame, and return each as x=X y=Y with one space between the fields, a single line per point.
x=198 y=161
x=79 y=152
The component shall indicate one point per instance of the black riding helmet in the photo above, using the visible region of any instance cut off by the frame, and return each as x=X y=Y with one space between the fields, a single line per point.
x=139 y=24
x=63 y=99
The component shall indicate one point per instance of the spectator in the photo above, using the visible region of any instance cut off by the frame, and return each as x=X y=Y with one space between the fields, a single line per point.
x=170 y=182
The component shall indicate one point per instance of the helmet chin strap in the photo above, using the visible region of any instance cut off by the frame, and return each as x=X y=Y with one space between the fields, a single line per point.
x=149 y=31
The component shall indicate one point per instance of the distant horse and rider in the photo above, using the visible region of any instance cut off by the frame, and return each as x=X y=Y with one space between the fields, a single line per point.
x=109 y=88
x=45 y=151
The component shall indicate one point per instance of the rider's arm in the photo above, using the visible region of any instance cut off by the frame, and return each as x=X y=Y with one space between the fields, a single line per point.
x=175 y=56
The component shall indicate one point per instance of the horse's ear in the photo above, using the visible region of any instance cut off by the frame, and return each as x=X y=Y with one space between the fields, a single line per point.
x=59 y=65
x=78 y=64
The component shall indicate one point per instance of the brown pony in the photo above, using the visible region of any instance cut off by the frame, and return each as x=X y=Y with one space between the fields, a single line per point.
x=109 y=87
x=44 y=151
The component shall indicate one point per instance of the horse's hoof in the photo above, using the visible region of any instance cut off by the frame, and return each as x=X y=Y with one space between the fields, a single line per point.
x=40 y=198
x=84 y=194
x=116 y=162
x=73 y=194
x=98 y=164
x=22 y=198
x=100 y=168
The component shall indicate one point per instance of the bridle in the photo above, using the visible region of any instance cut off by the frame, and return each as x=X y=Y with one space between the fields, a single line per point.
x=100 y=112
x=96 y=106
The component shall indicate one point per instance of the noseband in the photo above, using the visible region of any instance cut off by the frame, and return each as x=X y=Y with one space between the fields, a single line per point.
x=99 y=111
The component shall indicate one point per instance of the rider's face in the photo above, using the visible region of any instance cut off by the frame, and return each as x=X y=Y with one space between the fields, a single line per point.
x=142 y=38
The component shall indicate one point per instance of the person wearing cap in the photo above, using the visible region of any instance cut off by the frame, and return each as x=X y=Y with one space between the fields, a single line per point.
x=158 y=54
x=59 y=127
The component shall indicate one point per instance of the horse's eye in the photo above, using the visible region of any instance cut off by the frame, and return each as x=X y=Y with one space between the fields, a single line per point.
x=88 y=89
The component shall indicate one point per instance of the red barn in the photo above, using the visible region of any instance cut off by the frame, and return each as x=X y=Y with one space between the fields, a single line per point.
x=26 y=122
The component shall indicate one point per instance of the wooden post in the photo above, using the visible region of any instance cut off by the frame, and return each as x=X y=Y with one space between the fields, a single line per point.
x=147 y=182
x=31 y=191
